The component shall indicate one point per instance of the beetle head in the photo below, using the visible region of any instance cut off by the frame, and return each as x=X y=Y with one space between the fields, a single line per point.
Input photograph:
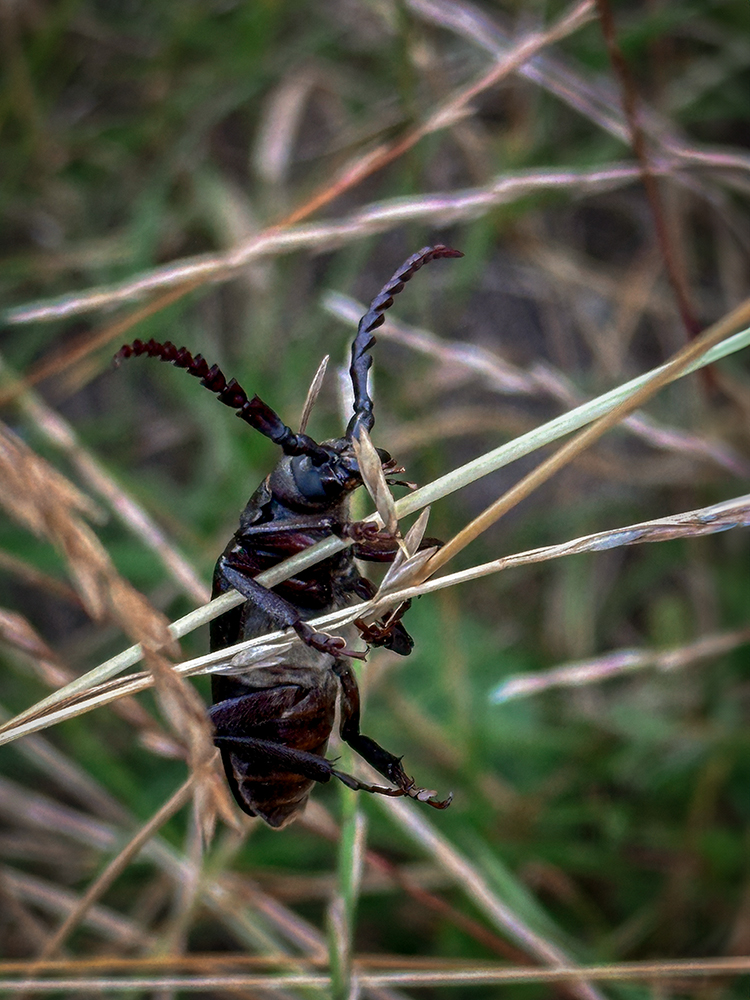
x=301 y=482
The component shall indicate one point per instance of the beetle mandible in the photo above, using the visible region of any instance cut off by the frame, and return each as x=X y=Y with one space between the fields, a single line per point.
x=272 y=723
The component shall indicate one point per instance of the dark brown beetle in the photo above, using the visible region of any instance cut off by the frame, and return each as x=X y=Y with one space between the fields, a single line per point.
x=272 y=723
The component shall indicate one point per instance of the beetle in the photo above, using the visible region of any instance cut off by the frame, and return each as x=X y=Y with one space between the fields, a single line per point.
x=272 y=723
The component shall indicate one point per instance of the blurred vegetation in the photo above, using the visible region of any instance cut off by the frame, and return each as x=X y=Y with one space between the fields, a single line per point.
x=613 y=817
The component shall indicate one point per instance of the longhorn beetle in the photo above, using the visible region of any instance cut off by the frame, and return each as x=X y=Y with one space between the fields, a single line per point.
x=272 y=723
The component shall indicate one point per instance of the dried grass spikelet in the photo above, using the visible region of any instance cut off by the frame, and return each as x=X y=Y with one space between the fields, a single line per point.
x=43 y=500
x=313 y=392
x=404 y=571
x=373 y=477
x=49 y=505
x=185 y=712
x=410 y=559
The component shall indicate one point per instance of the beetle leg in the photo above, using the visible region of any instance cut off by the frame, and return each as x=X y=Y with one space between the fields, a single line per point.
x=282 y=613
x=324 y=642
x=308 y=765
x=375 y=545
x=361 y=786
x=369 y=542
x=386 y=763
x=268 y=754
x=388 y=632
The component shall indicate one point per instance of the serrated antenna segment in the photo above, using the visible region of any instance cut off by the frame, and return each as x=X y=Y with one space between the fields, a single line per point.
x=253 y=411
x=372 y=319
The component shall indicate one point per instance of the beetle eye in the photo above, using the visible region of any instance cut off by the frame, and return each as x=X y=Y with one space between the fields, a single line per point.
x=308 y=479
x=317 y=483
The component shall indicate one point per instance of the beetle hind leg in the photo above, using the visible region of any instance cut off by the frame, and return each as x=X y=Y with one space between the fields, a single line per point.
x=382 y=760
x=269 y=755
x=361 y=786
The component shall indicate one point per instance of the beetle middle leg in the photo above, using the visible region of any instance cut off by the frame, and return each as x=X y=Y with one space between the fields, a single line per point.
x=382 y=760
x=281 y=612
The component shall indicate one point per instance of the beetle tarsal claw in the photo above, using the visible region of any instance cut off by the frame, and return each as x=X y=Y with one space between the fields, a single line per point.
x=354 y=654
x=360 y=786
x=334 y=645
x=428 y=796
x=424 y=794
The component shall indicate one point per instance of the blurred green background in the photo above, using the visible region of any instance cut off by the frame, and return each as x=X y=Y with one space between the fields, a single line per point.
x=612 y=817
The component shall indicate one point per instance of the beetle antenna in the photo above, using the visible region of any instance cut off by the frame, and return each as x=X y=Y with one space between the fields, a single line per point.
x=372 y=319
x=253 y=411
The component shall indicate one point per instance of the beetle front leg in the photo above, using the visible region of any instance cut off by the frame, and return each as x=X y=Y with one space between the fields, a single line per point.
x=370 y=542
x=389 y=633
x=375 y=544
x=384 y=762
x=282 y=613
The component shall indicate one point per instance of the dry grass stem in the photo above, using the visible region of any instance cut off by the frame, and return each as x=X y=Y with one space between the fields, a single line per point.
x=115 y=867
x=706 y=521
x=559 y=426
x=707 y=346
x=675 y=367
x=624 y=971
x=622 y=661
x=677 y=974
x=440 y=210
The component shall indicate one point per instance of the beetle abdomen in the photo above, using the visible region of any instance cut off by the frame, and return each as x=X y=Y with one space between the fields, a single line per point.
x=263 y=720
x=277 y=797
